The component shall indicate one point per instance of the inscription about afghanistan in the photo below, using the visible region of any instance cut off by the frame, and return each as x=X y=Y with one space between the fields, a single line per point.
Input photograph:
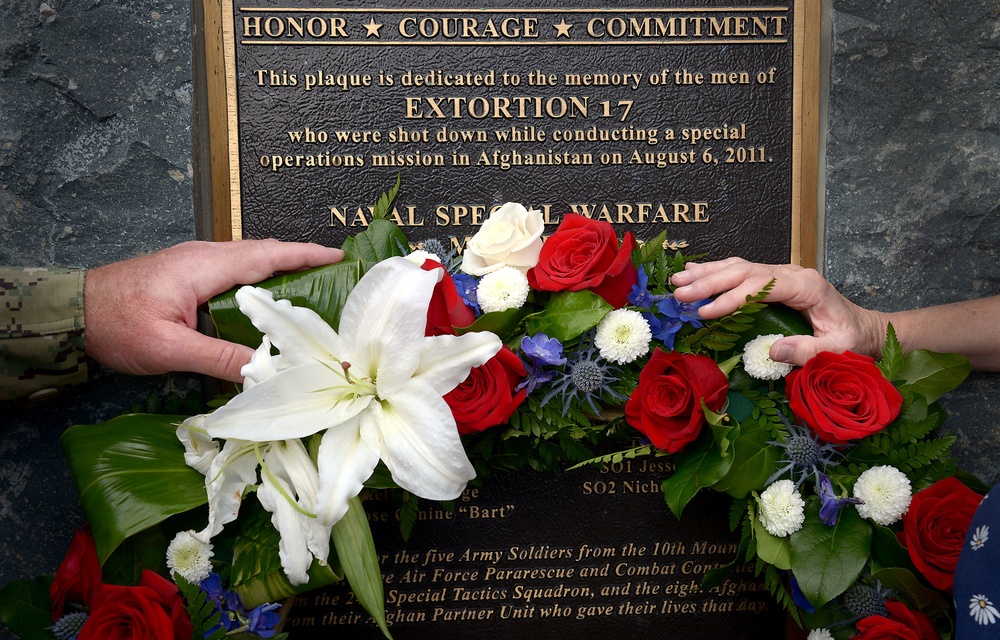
x=650 y=118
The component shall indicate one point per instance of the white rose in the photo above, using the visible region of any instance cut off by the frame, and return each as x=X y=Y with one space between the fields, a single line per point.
x=510 y=237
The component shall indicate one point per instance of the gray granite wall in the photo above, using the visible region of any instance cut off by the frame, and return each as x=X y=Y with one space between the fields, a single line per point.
x=95 y=166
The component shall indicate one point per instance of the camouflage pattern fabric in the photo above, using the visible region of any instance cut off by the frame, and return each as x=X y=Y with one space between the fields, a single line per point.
x=41 y=330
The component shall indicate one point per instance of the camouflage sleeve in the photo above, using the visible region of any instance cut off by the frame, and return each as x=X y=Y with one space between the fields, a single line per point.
x=41 y=330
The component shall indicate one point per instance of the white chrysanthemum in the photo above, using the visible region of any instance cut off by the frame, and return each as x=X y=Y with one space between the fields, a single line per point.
x=885 y=494
x=622 y=336
x=505 y=288
x=758 y=363
x=782 y=509
x=418 y=257
x=982 y=610
x=820 y=634
x=979 y=538
x=189 y=557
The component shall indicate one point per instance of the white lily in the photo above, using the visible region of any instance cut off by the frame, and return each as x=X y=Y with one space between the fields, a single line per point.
x=374 y=390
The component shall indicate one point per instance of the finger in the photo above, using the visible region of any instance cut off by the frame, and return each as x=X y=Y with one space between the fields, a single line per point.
x=696 y=270
x=250 y=261
x=187 y=350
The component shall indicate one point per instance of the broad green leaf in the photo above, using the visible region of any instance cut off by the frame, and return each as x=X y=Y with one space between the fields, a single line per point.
x=501 y=323
x=827 y=560
x=738 y=406
x=777 y=318
x=324 y=290
x=934 y=374
x=771 y=548
x=699 y=467
x=25 y=607
x=352 y=537
x=886 y=549
x=382 y=239
x=130 y=475
x=144 y=550
x=754 y=460
x=569 y=314
x=910 y=589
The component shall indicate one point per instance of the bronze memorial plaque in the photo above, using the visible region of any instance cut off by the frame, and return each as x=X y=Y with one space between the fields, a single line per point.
x=694 y=117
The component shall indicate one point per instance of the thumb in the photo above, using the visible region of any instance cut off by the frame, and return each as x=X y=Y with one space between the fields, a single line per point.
x=799 y=349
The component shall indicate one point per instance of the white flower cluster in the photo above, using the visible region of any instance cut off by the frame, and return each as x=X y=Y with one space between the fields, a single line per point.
x=189 y=557
x=885 y=494
x=820 y=634
x=505 y=288
x=757 y=361
x=782 y=509
x=623 y=336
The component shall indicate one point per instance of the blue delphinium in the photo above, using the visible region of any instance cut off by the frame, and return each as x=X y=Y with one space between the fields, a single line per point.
x=832 y=505
x=665 y=315
x=466 y=286
x=260 y=621
x=542 y=352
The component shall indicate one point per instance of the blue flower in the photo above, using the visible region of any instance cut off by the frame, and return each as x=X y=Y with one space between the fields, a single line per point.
x=263 y=619
x=799 y=598
x=640 y=296
x=686 y=312
x=542 y=351
x=663 y=330
x=466 y=286
x=832 y=505
x=585 y=380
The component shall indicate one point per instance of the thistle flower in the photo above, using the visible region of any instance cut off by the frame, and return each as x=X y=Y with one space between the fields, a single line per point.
x=623 y=336
x=782 y=509
x=586 y=379
x=757 y=360
x=885 y=494
x=805 y=455
x=865 y=600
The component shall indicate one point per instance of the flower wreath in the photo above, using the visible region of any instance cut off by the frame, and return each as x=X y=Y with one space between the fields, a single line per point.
x=392 y=368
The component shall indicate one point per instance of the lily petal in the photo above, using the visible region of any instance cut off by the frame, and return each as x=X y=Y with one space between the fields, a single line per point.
x=300 y=333
x=383 y=321
x=445 y=361
x=345 y=461
x=232 y=471
x=420 y=443
x=296 y=403
x=199 y=449
x=290 y=473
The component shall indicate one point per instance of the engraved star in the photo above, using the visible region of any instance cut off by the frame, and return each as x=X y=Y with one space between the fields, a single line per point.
x=562 y=28
x=373 y=28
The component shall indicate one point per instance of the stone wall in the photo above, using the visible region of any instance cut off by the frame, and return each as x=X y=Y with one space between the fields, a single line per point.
x=95 y=166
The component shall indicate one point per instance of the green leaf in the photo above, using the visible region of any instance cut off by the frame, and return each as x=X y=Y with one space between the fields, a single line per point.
x=25 y=608
x=352 y=537
x=501 y=323
x=324 y=290
x=649 y=249
x=382 y=239
x=569 y=314
x=886 y=550
x=384 y=203
x=827 y=560
x=933 y=374
x=130 y=475
x=699 y=467
x=778 y=318
x=770 y=548
x=754 y=460
x=892 y=354
x=203 y=614
x=910 y=589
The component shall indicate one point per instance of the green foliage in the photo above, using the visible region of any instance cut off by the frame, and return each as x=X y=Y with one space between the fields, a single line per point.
x=383 y=205
x=723 y=334
x=568 y=314
x=827 y=560
x=352 y=538
x=698 y=466
x=130 y=474
x=618 y=456
x=409 y=509
x=25 y=607
x=202 y=612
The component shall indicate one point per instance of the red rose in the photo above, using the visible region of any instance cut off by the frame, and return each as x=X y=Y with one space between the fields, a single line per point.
x=447 y=309
x=902 y=624
x=666 y=405
x=585 y=254
x=842 y=396
x=153 y=610
x=78 y=576
x=487 y=398
x=934 y=529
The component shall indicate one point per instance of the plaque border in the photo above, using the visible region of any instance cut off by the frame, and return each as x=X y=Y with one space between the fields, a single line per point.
x=218 y=148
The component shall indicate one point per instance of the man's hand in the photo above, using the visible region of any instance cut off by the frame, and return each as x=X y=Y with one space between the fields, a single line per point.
x=141 y=314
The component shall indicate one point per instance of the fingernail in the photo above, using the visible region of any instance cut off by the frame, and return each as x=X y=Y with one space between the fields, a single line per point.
x=782 y=353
